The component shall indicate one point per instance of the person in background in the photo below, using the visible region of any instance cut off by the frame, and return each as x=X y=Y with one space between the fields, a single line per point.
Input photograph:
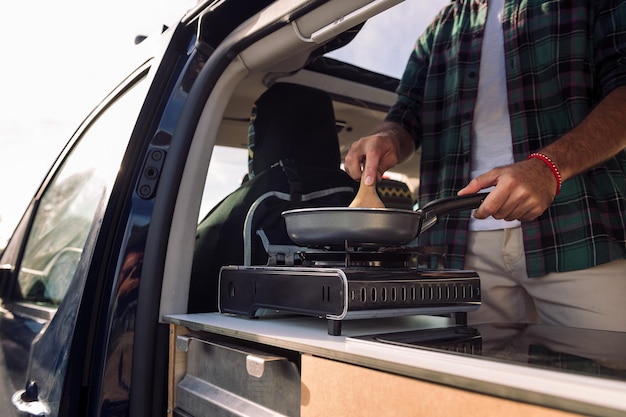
x=525 y=99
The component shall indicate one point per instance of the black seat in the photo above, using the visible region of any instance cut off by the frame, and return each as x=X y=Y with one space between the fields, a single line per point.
x=294 y=161
x=395 y=194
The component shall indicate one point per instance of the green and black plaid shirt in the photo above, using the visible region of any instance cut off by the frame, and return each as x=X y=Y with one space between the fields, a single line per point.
x=561 y=57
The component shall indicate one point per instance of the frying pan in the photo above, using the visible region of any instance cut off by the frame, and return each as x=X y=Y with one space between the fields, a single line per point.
x=325 y=226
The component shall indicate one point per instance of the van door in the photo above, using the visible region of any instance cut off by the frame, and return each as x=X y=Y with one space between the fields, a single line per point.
x=44 y=267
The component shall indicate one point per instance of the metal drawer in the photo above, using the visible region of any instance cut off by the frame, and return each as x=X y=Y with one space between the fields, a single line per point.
x=228 y=380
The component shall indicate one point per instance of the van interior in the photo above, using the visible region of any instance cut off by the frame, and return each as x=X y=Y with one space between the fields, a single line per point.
x=299 y=52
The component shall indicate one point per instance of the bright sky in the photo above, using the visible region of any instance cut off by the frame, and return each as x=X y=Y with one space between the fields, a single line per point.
x=395 y=31
x=60 y=58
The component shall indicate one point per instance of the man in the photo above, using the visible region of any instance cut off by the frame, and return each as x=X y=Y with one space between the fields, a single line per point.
x=527 y=99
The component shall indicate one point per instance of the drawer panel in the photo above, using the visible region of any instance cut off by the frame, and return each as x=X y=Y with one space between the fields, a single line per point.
x=228 y=380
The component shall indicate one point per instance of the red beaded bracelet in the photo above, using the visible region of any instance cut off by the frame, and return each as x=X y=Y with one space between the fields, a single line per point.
x=551 y=165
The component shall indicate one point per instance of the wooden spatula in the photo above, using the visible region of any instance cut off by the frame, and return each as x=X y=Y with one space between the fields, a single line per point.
x=367 y=196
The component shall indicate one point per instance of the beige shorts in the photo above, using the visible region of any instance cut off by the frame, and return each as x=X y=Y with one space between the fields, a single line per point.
x=593 y=298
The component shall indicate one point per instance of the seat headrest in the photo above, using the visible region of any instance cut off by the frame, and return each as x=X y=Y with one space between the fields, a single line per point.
x=293 y=122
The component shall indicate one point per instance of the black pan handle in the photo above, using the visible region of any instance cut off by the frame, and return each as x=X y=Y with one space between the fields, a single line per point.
x=453 y=204
x=437 y=208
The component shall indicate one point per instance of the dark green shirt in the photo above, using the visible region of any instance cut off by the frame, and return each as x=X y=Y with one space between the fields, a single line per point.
x=562 y=57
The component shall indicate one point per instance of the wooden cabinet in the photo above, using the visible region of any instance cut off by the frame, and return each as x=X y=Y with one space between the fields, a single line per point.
x=331 y=388
x=308 y=373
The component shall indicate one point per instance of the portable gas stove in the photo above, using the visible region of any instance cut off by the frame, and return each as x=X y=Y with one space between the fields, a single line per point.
x=353 y=283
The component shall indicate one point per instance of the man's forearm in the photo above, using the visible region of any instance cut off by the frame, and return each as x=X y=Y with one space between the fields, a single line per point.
x=599 y=137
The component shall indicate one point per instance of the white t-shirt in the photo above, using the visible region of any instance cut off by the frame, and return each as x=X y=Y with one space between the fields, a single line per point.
x=491 y=130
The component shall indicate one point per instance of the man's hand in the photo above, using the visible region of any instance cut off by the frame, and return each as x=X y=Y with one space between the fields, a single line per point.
x=373 y=155
x=523 y=191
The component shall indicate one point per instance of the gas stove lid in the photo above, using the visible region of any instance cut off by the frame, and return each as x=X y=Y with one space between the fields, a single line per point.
x=587 y=352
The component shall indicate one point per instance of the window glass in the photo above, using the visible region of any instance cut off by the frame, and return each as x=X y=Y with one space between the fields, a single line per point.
x=384 y=43
x=69 y=205
x=226 y=172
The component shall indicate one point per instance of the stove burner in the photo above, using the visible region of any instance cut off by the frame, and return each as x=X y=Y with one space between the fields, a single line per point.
x=355 y=257
x=339 y=294
x=341 y=283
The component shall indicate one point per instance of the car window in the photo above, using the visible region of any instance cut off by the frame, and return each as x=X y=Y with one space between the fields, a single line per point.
x=226 y=172
x=69 y=204
x=384 y=43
